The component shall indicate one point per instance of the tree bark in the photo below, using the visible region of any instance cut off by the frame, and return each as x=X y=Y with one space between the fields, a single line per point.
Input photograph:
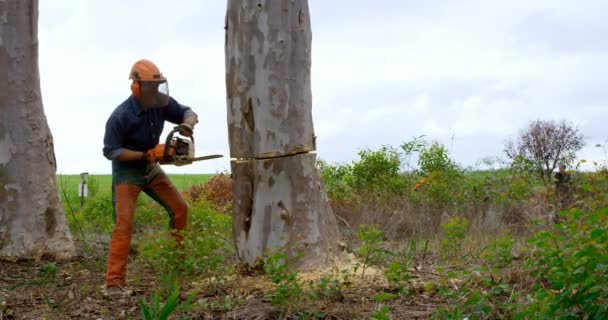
x=279 y=199
x=280 y=203
x=32 y=219
x=268 y=78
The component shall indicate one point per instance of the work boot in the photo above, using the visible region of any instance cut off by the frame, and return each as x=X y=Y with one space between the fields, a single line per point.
x=115 y=291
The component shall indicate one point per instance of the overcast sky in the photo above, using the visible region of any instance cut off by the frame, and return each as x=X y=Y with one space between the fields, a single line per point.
x=468 y=73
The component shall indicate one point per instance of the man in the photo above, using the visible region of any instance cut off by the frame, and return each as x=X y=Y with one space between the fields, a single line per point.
x=562 y=186
x=131 y=142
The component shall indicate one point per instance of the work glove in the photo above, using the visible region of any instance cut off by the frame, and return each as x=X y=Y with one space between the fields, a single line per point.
x=186 y=129
x=157 y=154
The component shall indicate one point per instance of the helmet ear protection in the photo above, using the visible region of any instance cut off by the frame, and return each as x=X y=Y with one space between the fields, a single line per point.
x=146 y=71
x=135 y=86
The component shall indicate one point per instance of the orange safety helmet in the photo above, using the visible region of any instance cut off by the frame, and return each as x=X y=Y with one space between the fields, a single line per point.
x=144 y=70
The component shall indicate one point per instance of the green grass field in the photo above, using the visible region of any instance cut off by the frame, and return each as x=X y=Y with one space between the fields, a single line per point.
x=104 y=182
x=101 y=184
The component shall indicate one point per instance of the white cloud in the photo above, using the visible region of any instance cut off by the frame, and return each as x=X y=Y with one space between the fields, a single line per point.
x=468 y=73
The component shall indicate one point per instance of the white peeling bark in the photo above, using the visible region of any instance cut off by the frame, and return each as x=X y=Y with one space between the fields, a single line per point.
x=279 y=199
x=281 y=203
x=268 y=78
x=32 y=219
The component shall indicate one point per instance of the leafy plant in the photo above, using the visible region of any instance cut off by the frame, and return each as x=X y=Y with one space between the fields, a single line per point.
x=225 y=304
x=205 y=251
x=288 y=288
x=337 y=179
x=371 y=250
x=441 y=174
x=571 y=265
x=454 y=233
x=328 y=287
x=155 y=310
x=499 y=253
x=476 y=294
x=383 y=313
x=377 y=170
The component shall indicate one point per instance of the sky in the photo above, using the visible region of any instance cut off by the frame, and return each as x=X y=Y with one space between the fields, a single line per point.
x=469 y=73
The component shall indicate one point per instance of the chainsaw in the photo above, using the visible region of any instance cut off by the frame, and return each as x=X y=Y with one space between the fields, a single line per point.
x=179 y=151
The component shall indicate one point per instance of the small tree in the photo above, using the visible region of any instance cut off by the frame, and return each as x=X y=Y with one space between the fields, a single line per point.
x=545 y=144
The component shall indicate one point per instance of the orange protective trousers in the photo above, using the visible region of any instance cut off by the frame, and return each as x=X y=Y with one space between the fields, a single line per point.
x=159 y=188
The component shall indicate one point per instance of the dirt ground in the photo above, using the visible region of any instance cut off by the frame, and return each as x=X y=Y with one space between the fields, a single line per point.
x=73 y=290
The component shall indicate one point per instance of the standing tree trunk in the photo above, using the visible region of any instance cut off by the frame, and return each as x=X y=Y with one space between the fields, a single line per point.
x=279 y=199
x=32 y=219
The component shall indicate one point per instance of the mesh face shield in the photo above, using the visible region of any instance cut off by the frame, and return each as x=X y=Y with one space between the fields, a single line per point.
x=155 y=93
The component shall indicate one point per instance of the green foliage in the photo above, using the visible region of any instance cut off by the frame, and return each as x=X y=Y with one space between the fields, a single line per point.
x=96 y=216
x=436 y=158
x=397 y=273
x=383 y=313
x=329 y=287
x=206 y=246
x=442 y=174
x=376 y=168
x=337 y=179
x=571 y=264
x=476 y=294
x=371 y=250
x=288 y=288
x=92 y=186
x=376 y=171
x=593 y=186
x=499 y=253
x=226 y=304
x=454 y=233
x=49 y=272
x=155 y=310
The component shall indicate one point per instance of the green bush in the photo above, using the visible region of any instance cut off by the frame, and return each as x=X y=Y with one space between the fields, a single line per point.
x=328 y=287
x=436 y=158
x=95 y=216
x=377 y=170
x=499 y=253
x=443 y=177
x=571 y=264
x=454 y=233
x=288 y=288
x=206 y=246
x=371 y=250
x=337 y=179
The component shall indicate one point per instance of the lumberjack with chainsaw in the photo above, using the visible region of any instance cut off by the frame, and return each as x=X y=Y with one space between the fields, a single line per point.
x=131 y=142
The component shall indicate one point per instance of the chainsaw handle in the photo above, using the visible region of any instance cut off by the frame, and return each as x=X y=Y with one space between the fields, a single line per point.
x=176 y=129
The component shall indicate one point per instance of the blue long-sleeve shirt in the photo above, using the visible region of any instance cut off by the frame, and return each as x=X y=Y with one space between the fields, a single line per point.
x=130 y=127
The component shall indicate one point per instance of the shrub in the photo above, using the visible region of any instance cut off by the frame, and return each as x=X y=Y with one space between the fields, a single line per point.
x=96 y=216
x=328 y=287
x=206 y=246
x=337 y=179
x=442 y=176
x=371 y=250
x=571 y=264
x=217 y=191
x=499 y=253
x=288 y=288
x=377 y=170
x=454 y=232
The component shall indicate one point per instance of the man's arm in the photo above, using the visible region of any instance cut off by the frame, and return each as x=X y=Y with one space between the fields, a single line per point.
x=190 y=118
x=130 y=155
x=113 y=143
